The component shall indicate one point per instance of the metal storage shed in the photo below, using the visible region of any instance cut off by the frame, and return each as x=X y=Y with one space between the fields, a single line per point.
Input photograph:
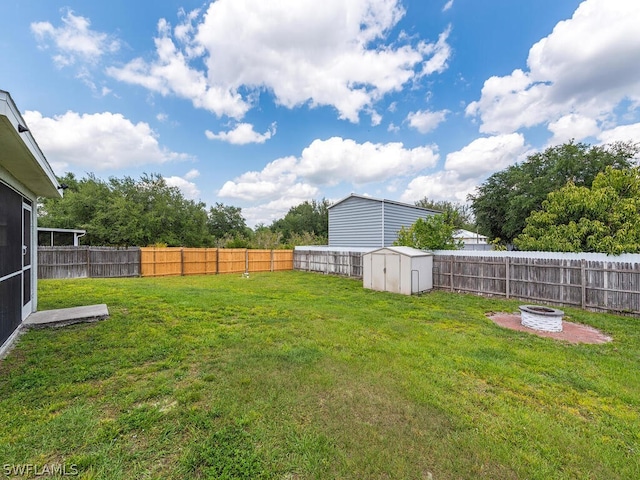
x=359 y=221
x=25 y=174
x=398 y=269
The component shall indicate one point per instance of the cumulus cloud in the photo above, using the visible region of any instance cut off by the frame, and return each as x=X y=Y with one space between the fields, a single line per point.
x=466 y=168
x=329 y=162
x=242 y=134
x=447 y=6
x=572 y=126
x=582 y=68
x=191 y=174
x=188 y=189
x=443 y=185
x=621 y=133
x=486 y=155
x=333 y=53
x=425 y=121
x=74 y=40
x=99 y=141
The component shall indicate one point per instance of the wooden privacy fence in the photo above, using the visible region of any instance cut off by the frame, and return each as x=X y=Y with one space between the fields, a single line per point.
x=605 y=284
x=336 y=262
x=83 y=262
x=590 y=281
x=155 y=262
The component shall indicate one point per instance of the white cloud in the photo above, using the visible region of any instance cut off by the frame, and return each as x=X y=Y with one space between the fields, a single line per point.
x=188 y=189
x=333 y=53
x=242 y=134
x=275 y=178
x=572 y=126
x=74 y=40
x=486 y=155
x=329 y=162
x=425 y=121
x=443 y=185
x=439 y=53
x=467 y=168
x=621 y=133
x=98 y=141
x=447 y=6
x=191 y=174
x=268 y=212
x=585 y=67
x=162 y=117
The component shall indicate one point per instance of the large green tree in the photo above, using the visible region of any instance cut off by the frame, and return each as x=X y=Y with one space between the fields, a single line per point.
x=126 y=211
x=434 y=232
x=456 y=213
x=603 y=218
x=226 y=220
x=307 y=217
x=504 y=201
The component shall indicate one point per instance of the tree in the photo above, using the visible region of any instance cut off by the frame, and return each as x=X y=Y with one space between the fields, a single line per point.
x=504 y=201
x=431 y=233
x=458 y=214
x=226 y=220
x=128 y=212
x=604 y=218
x=307 y=217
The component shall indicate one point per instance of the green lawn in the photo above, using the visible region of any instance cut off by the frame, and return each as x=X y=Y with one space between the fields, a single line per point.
x=293 y=375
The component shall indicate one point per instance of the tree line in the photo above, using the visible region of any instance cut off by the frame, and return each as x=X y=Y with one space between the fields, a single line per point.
x=568 y=198
x=146 y=211
x=571 y=198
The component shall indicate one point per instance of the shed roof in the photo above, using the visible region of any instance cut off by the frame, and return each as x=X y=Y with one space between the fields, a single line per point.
x=383 y=200
x=406 y=251
x=20 y=155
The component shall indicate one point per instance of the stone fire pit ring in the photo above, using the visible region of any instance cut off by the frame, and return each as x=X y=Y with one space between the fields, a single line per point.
x=545 y=319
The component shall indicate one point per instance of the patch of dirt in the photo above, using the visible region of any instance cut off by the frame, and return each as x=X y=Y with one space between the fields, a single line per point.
x=571 y=332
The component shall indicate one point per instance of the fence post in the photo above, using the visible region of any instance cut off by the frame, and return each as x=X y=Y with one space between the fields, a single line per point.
x=271 y=255
x=246 y=259
x=89 y=262
x=451 y=273
x=583 y=282
x=507 y=273
x=181 y=261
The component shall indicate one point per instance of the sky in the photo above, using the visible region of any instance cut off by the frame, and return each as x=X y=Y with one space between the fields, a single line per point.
x=265 y=104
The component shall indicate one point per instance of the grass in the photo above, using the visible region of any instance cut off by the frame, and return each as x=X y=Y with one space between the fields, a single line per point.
x=293 y=375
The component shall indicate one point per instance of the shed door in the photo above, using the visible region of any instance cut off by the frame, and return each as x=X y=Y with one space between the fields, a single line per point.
x=26 y=260
x=385 y=272
x=393 y=273
x=378 y=272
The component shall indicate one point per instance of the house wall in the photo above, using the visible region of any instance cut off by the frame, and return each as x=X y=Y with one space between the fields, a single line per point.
x=369 y=222
x=15 y=285
x=356 y=222
x=397 y=216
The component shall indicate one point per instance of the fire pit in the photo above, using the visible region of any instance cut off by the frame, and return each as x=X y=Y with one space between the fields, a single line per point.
x=545 y=319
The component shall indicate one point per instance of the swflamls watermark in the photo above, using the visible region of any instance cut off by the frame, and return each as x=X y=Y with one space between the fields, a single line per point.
x=47 y=469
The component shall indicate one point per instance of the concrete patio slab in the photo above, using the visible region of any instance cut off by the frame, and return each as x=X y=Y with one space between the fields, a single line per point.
x=66 y=316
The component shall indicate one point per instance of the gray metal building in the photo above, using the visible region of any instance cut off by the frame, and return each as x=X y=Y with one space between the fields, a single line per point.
x=359 y=221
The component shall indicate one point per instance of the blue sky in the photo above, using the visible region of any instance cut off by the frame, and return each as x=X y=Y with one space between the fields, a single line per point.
x=263 y=105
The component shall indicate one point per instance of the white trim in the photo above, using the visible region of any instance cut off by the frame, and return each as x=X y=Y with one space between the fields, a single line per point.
x=11 y=275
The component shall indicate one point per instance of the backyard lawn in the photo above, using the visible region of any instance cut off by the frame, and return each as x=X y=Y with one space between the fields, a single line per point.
x=293 y=375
